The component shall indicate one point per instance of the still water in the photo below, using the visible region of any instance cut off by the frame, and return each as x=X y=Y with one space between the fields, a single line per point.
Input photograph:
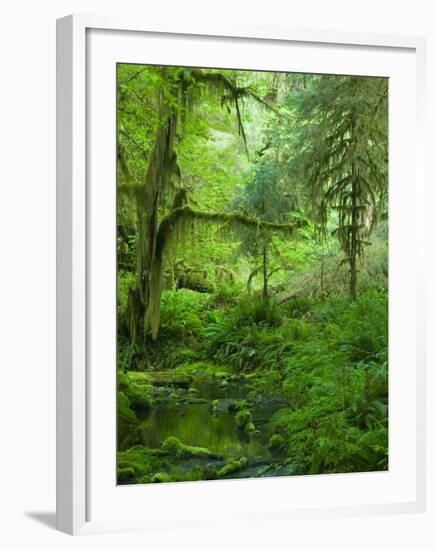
x=198 y=425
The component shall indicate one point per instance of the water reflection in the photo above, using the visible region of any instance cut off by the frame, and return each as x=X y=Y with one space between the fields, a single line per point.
x=196 y=424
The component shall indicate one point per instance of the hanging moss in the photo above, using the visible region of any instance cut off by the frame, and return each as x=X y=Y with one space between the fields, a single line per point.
x=176 y=227
x=180 y=220
x=183 y=219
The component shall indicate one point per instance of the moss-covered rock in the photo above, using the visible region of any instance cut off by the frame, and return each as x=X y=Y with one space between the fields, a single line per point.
x=250 y=428
x=161 y=477
x=140 y=396
x=180 y=450
x=202 y=370
x=133 y=376
x=232 y=466
x=138 y=393
x=243 y=419
x=124 y=411
x=169 y=378
x=139 y=461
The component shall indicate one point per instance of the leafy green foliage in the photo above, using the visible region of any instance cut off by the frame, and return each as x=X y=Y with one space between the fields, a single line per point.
x=181 y=313
x=336 y=383
x=252 y=252
x=254 y=334
x=343 y=154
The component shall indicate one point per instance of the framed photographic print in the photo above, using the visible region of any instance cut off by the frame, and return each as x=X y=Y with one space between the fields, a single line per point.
x=240 y=328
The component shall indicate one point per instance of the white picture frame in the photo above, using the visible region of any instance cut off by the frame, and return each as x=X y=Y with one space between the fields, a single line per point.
x=74 y=281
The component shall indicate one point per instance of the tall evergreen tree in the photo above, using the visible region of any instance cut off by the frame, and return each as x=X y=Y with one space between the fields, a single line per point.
x=342 y=156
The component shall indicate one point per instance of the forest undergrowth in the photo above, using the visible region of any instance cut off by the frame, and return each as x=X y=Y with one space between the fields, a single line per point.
x=327 y=360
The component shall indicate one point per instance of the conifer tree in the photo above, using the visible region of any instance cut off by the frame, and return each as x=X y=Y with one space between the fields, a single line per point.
x=342 y=157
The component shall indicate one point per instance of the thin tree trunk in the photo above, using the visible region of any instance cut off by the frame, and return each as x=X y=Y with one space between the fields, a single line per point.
x=252 y=274
x=265 y=275
x=354 y=238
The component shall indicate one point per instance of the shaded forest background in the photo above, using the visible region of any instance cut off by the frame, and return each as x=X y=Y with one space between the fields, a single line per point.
x=252 y=273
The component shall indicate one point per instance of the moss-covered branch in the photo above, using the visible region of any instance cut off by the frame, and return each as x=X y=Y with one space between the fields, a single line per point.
x=235 y=221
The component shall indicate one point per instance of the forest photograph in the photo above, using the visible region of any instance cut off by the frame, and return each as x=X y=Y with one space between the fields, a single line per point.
x=252 y=274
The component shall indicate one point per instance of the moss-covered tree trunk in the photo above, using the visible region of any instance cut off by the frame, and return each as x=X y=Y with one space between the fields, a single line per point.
x=145 y=311
x=144 y=299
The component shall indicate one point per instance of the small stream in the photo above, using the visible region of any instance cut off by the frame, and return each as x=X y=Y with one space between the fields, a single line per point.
x=198 y=425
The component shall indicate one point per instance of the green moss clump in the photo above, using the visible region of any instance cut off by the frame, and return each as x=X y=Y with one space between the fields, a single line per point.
x=232 y=466
x=137 y=392
x=202 y=369
x=132 y=376
x=124 y=411
x=238 y=406
x=244 y=421
x=169 y=378
x=180 y=450
x=140 y=396
x=161 y=477
x=243 y=418
x=140 y=460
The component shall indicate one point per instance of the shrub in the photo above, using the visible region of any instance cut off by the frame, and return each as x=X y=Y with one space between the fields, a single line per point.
x=227 y=293
x=257 y=312
x=297 y=307
x=249 y=346
x=181 y=313
x=336 y=385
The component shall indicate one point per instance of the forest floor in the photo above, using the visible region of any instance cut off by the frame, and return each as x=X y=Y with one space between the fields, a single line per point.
x=238 y=387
